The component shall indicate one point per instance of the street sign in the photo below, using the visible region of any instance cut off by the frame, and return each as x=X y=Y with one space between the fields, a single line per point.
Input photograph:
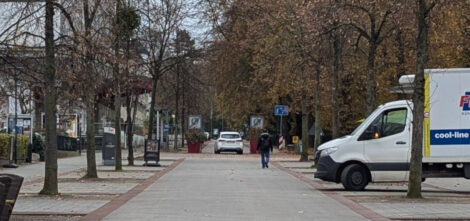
x=295 y=139
x=194 y=122
x=280 y=110
x=256 y=122
x=166 y=128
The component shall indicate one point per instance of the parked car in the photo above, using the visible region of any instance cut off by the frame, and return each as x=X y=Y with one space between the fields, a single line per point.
x=229 y=141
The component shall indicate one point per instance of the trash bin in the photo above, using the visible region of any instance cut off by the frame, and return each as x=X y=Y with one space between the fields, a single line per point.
x=108 y=154
x=108 y=147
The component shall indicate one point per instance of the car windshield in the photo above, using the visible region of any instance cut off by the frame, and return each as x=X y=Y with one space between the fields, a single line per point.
x=230 y=136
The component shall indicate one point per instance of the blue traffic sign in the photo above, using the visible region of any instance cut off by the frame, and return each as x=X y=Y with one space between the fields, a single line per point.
x=280 y=110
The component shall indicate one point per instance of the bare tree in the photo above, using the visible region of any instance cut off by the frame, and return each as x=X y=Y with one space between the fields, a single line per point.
x=378 y=14
x=162 y=18
x=90 y=87
x=50 y=179
x=117 y=88
x=423 y=10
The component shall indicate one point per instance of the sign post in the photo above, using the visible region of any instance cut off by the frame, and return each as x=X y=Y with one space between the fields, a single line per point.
x=281 y=110
x=194 y=122
x=152 y=152
x=256 y=122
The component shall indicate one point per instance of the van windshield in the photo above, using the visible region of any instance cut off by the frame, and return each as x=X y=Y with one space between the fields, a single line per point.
x=363 y=122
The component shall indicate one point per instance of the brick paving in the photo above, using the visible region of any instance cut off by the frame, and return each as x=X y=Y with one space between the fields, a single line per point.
x=131 y=168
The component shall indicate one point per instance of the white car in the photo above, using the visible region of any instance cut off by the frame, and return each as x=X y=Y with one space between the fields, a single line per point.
x=229 y=141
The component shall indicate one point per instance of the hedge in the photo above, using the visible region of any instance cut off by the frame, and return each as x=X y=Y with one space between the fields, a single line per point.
x=23 y=143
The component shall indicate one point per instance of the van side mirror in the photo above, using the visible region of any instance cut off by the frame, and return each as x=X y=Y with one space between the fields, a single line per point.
x=372 y=132
x=376 y=132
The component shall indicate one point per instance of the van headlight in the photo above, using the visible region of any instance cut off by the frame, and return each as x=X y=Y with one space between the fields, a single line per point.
x=328 y=151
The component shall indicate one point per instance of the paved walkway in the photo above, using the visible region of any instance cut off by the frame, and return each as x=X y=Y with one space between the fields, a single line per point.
x=35 y=171
x=223 y=189
x=444 y=198
x=211 y=186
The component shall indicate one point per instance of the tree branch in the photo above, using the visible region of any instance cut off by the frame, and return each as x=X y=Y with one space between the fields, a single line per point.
x=68 y=17
x=382 y=23
x=360 y=30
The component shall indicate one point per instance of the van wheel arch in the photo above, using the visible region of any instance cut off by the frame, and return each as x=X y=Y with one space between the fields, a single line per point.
x=344 y=165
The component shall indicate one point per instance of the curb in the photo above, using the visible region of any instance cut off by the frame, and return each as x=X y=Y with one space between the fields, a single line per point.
x=356 y=207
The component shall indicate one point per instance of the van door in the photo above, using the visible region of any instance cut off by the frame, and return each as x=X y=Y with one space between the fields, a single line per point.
x=386 y=145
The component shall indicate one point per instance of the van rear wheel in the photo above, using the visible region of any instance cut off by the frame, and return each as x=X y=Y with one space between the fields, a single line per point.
x=354 y=177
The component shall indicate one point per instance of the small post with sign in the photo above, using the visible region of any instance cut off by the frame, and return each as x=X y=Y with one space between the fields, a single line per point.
x=280 y=110
x=194 y=122
x=152 y=152
x=256 y=122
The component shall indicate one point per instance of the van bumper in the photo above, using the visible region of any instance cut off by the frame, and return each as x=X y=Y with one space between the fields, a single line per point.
x=327 y=169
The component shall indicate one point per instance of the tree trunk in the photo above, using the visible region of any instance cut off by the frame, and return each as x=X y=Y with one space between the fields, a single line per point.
x=177 y=99
x=183 y=116
x=117 y=98
x=90 y=93
x=414 y=186
x=38 y=108
x=401 y=68
x=152 y=106
x=176 y=122
x=50 y=100
x=117 y=118
x=129 y=130
x=129 y=125
x=305 y=116
x=370 y=104
x=90 y=133
x=318 y=129
x=183 y=125
x=335 y=86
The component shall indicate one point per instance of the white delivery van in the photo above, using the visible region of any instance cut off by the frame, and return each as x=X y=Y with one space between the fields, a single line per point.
x=379 y=150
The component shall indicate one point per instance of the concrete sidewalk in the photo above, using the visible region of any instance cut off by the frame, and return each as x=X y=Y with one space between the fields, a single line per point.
x=444 y=198
x=224 y=189
x=79 y=197
x=35 y=171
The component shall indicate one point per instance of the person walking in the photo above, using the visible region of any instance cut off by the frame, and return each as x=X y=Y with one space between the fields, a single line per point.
x=265 y=146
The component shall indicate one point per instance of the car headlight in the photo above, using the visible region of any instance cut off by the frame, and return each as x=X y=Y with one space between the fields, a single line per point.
x=328 y=151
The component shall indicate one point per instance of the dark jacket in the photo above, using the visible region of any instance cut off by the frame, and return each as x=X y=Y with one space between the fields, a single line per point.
x=260 y=140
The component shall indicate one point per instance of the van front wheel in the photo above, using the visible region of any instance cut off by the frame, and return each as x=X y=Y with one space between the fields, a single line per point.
x=354 y=177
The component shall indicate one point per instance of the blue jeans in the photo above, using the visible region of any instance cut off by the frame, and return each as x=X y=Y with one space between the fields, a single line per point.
x=264 y=158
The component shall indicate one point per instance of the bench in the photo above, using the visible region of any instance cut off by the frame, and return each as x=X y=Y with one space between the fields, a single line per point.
x=10 y=185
